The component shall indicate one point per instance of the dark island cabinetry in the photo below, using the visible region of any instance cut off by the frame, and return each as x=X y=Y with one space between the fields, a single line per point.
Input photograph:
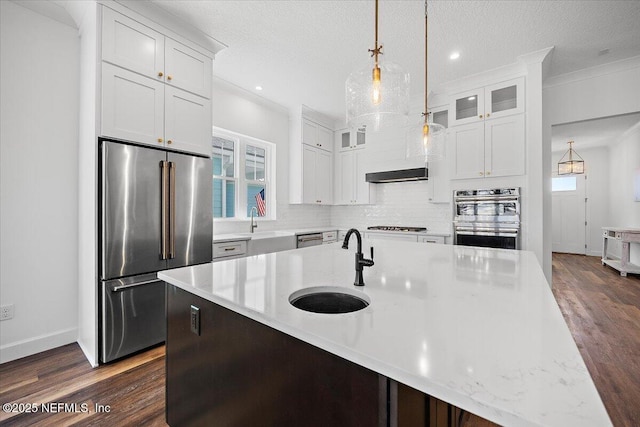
x=224 y=369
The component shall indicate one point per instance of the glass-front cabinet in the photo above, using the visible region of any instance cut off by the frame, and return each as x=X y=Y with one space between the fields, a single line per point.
x=494 y=101
x=349 y=139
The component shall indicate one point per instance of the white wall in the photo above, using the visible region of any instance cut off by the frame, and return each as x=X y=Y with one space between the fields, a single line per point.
x=624 y=163
x=602 y=91
x=240 y=111
x=39 y=184
x=598 y=190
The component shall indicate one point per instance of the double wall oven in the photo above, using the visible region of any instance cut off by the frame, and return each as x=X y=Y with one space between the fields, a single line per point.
x=488 y=218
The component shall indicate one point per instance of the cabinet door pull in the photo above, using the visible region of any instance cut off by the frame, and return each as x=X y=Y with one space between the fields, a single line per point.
x=160 y=140
x=160 y=74
x=488 y=173
x=169 y=77
x=480 y=173
x=229 y=249
x=480 y=116
x=169 y=141
x=488 y=114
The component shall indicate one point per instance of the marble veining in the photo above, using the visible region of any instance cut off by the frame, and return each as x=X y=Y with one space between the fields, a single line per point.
x=476 y=327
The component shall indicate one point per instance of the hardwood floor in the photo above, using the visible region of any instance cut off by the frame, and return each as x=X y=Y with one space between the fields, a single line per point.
x=133 y=388
x=601 y=308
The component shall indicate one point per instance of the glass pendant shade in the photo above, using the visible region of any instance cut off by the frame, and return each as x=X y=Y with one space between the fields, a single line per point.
x=427 y=140
x=571 y=165
x=377 y=97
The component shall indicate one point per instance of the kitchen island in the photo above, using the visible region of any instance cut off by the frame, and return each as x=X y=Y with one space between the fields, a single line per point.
x=477 y=328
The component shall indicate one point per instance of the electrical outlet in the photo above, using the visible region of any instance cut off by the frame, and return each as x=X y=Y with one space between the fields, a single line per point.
x=6 y=312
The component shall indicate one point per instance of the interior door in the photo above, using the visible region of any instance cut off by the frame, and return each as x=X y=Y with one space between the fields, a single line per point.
x=191 y=210
x=131 y=203
x=568 y=212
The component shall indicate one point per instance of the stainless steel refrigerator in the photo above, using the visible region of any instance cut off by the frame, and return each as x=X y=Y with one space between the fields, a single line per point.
x=156 y=214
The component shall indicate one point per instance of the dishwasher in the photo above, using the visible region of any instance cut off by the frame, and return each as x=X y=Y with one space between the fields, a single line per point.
x=305 y=240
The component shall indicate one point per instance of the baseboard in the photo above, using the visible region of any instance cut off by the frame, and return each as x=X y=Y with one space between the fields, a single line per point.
x=20 y=349
x=91 y=357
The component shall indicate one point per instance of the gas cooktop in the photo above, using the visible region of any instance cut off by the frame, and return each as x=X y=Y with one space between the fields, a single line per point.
x=396 y=228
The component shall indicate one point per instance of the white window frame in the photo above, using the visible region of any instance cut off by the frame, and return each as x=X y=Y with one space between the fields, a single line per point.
x=240 y=144
x=234 y=179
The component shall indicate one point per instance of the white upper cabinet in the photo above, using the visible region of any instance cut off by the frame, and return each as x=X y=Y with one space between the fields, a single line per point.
x=187 y=69
x=136 y=47
x=498 y=100
x=317 y=176
x=504 y=146
x=131 y=45
x=490 y=149
x=132 y=106
x=351 y=188
x=316 y=135
x=310 y=158
x=155 y=90
x=350 y=139
x=185 y=115
x=468 y=151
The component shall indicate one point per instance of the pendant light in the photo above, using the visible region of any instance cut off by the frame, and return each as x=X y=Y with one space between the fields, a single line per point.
x=426 y=138
x=571 y=165
x=377 y=96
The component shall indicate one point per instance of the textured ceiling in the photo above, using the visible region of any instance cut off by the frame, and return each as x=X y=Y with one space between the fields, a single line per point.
x=302 y=51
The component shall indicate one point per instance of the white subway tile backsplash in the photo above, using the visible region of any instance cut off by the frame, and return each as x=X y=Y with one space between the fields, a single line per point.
x=399 y=203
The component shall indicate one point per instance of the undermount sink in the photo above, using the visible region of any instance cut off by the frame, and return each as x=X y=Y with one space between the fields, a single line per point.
x=329 y=300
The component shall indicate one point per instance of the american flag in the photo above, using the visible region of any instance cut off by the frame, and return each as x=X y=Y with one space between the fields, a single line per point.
x=262 y=207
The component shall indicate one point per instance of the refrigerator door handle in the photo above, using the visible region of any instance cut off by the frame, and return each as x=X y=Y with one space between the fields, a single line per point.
x=164 y=209
x=133 y=285
x=172 y=210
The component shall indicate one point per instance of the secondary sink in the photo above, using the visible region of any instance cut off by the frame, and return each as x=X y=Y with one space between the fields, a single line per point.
x=329 y=300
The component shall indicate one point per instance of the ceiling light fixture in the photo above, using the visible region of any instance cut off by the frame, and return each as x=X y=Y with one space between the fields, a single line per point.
x=454 y=55
x=377 y=96
x=571 y=165
x=258 y=87
x=426 y=139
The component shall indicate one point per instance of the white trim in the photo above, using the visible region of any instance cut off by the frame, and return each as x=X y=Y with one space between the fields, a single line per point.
x=240 y=143
x=591 y=72
x=30 y=346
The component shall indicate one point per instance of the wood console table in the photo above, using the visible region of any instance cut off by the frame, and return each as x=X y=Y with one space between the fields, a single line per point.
x=626 y=236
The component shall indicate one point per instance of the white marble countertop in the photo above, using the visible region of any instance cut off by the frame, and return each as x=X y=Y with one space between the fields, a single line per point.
x=476 y=327
x=231 y=237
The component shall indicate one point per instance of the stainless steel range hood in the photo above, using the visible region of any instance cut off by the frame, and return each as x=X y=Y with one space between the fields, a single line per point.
x=416 y=174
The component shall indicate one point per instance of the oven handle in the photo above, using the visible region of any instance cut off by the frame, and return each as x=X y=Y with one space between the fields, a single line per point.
x=490 y=198
x=477 y=202
x=488 y=233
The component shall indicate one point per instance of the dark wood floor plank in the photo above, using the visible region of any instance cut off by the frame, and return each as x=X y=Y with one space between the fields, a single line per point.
x=601 y=308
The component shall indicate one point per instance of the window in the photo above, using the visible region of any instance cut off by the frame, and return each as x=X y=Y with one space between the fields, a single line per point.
x=563 y=183
x=243 y=173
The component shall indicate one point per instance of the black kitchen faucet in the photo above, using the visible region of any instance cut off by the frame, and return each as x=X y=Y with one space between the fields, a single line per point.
x=361 y=261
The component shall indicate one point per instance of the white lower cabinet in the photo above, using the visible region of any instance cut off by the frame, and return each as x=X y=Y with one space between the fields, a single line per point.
x=351 y=188
x=431 y=239
x=390 y=236
x=317 y=176
x=490 y=148
x=140 y=109
x=229 y=250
